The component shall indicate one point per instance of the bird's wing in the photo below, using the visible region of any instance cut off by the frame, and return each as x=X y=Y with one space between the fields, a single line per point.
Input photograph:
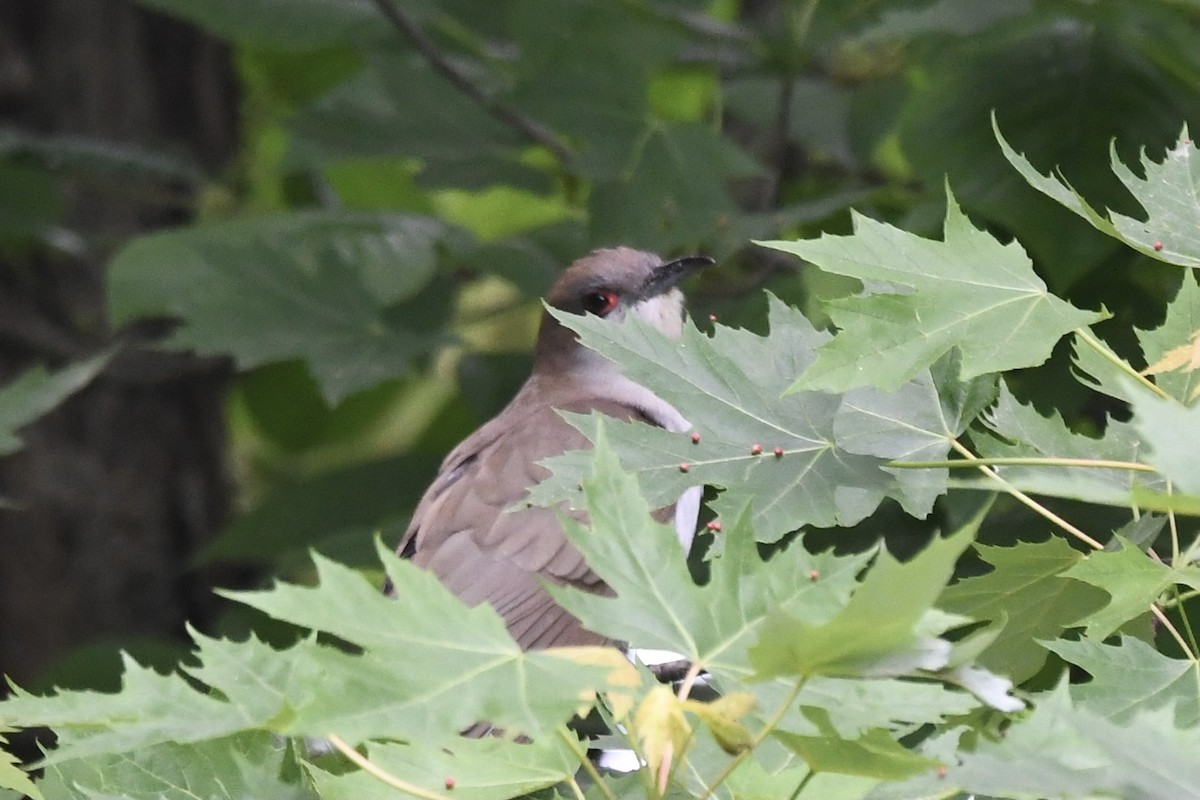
x=464 y=533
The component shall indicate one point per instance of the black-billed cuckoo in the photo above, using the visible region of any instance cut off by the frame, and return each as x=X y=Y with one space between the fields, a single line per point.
x=466 y=530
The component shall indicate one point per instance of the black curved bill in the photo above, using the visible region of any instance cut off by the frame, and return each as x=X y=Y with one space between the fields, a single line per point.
x=665 y=277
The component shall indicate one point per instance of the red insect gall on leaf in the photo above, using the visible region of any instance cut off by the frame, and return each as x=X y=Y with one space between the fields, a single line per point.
x=813 y=575
x=712 y=317
x=696 y=437
x=713 y=526
x=449 y=783
x=779 y=452
x=940 y=772
x=1157 y=246
x=684 y=467
x=756 y=449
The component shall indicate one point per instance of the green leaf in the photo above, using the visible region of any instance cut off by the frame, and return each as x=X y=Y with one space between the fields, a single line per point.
x=338 y=289
x=879 y=630
x=1021 y=432
x=470 y=670
x=1171 y=431
x=1173 y=336
x=1168 y=194
x=1133 y=581
x=928 y=297
x=674 y=193
x=856 y=705
x=36 y=391
x=150 y=709
x=1130 y=677
x=1027 y=593
x=657 y=605
x=480 y=769
x=874 y=755
x=832 y=468
x=247 y=765
x=399 y=106
x=13 y=777
x=1062 y=81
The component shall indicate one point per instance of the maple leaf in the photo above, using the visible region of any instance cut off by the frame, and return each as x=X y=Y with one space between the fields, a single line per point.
x=658 y=605
x=1173 y=348
x=925 y=298
x=324 y=286
x=1098 y=470
x=1133 y=581
x=1132 y=676
x=1169 y=193
x=820 y=460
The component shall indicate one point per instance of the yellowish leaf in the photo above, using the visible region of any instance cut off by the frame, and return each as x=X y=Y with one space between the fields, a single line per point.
x=661 y=727
x=623 y=678
x=722 y=715
x=1186 y=357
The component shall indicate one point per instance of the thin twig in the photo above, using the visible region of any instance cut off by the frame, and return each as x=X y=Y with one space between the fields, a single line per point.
x=1166 y=623
x=1094 y=463
x=380 y=773
x=585 y=762
x=1026 y=499
x=575 y=788
x=438 y=61
x=667 y=768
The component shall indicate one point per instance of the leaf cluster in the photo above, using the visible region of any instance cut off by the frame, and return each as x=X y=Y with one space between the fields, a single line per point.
x=847 y=675
x=951 y=472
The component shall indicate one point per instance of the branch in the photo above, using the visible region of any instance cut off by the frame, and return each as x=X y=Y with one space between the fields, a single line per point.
x=436 y=59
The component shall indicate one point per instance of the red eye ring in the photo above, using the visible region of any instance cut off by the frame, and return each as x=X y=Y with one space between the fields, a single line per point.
x=600 y=301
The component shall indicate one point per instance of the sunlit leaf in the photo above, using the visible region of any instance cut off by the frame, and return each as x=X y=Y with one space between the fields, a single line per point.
x=927 y=297
x=821 y=459
x=1132 y=676
x=1168 y=193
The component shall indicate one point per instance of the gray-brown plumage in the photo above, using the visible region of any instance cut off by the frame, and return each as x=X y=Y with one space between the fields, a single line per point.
x=463 y=529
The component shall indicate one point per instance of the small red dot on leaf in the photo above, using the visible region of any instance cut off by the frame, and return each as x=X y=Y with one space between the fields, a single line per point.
x=696 y=437
x=813 y=575
x=449 y=783
x=779 y=452
x=684 y=467
x=712 y=317
x=713 y=526
x=940 y=772
x=756 y=449
x=1157 y=246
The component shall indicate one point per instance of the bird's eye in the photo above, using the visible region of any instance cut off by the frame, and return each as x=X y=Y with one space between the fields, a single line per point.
x=600 y=302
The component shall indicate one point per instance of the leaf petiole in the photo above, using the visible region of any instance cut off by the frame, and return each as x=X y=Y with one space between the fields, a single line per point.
x=378 y=772
x=1023 y=498
x=1108 y=355
x=1031 y=461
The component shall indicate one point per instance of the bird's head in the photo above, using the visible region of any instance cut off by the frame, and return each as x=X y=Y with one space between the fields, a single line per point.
x=613 y=284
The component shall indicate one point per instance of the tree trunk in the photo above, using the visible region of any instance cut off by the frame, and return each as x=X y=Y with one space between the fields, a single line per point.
x=116 y=488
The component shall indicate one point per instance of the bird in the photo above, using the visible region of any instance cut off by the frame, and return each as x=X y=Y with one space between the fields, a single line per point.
x=471 y=528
